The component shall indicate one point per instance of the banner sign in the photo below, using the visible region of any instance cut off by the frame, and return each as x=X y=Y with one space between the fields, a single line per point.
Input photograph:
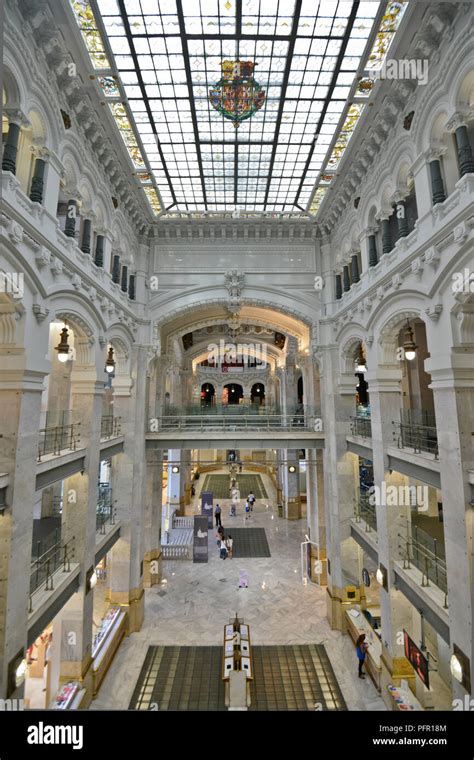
x=200 y=543
x=207 y=501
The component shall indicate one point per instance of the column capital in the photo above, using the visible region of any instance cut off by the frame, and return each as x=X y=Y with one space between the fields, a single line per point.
x=434 y=152
x=458 y=119
x=16 y=116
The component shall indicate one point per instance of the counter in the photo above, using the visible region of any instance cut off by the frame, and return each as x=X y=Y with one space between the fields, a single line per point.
x=357 y=624
x=106 y=643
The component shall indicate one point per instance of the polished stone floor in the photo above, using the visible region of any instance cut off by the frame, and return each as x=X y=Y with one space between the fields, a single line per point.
x=194 y=601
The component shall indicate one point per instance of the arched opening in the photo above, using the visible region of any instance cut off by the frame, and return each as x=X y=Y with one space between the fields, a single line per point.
x=300 y=390
x=257 y=394
x=208 y=395
x=232 y=394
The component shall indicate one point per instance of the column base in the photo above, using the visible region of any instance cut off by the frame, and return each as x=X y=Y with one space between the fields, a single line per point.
x=393 y=670
x=320 y=555
x=82 y=673
x=152 y=568
x=337 y=604
x=133 y=602
x=293 y=509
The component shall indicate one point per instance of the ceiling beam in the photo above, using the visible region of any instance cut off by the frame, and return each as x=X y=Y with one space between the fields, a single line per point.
x=189 y=80
x=128 y=32
x=337 y=68
x=286 y=76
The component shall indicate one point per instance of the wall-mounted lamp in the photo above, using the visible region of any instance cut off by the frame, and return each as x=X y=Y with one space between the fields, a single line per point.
x=409 y=345
x=460 y=667
x=110 y=362
x=292 y=468
x=381 y=576
x=175 y=469
x=63 y=347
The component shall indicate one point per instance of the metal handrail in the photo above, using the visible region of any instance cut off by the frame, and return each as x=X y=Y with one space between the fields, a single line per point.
x=431 y=565
x=417 y=437
x=364 y=511
x=110 y=426
x=44 y=544
x=54 y=440
x=361 y=426
x=104 y=515
x=44 y=567
x=234 y=422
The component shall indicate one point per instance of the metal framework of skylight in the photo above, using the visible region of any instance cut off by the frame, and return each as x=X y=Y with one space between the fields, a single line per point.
x=168 y=55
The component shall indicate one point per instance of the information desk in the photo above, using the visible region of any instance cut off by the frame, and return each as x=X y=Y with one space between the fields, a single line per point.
x=402 y=699
x=106 y=642
x=357 y=624
x=69 y=697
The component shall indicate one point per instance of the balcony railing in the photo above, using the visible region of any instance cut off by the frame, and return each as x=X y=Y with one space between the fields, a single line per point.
x=43 y=545
x=237 y=422
x=417 y=437
x=110 y=427
x=423 y=551
x=365 y=512
x=43 y=568
x=106 y=511
x=361 y=426
x=59 y=438
x=105 y=515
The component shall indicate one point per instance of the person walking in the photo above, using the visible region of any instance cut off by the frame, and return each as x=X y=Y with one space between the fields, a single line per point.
x=217 y=514
x=223 y=552
x=361 y=650
x=251 y=500
x=229 y=545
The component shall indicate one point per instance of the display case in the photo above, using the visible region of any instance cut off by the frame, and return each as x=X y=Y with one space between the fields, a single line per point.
x=69 y=697
x=402 y=699
x=106 y=642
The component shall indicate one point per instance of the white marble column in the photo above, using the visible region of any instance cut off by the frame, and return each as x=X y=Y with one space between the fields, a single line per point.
x=129 y=484
x=453 y=388
x=73 y=626
x=20 y=408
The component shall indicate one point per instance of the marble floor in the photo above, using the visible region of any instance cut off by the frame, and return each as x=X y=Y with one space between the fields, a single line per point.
x=195 y=601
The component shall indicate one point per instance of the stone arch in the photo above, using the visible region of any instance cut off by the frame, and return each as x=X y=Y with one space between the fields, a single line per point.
x=349 y=348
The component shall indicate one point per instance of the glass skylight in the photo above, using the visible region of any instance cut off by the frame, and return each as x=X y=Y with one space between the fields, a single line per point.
x=167 y=55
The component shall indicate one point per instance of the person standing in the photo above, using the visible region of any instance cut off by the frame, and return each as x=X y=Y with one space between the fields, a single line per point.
x=251 y=500
x=217 y=514
x=223 y=552
x=361 y=650
x=229 y=545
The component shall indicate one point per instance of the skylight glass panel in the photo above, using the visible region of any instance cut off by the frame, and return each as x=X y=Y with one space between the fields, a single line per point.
x=169 y=55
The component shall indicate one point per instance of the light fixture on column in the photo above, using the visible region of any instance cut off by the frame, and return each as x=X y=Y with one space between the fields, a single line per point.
x=292 y=468
x=175 y=469
x=110 y=363
x=409 y=345
x=455 y=667
x=460 y=667
x=63 y=347
x=381 y=577
x=20 y=673
x=360 y=362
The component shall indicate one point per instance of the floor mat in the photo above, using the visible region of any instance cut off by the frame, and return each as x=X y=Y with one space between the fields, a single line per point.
x=248 y=542
x=219 y=486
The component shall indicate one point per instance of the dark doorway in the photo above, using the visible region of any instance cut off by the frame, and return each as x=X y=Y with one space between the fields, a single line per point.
x=235 y=392
x=208 y=394
x=257 y=394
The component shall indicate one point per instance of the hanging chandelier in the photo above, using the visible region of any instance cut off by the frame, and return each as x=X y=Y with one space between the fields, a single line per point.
x=237 y=96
